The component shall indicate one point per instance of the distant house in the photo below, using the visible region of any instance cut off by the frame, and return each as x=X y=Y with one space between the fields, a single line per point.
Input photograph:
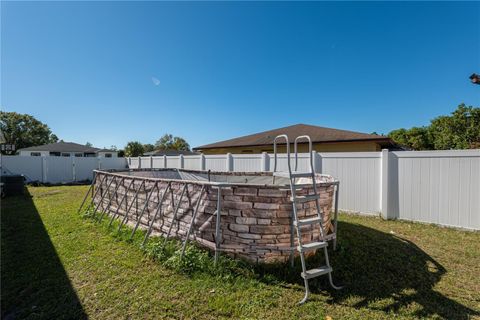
x=170 y=152
x=323 y=139
x=66 y=149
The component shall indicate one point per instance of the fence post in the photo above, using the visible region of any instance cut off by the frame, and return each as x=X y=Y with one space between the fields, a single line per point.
x=165 y=161
x=202 y=162
x=99 y=163
x=265 y=166
x=182 y=161
x=74 y=170
x=316 y=167
x=229 y=166
x=319 y=163
x=384 y=189
x=44 y=169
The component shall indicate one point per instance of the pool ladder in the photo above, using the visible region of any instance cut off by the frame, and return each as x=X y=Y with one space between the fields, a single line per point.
x=298 y=223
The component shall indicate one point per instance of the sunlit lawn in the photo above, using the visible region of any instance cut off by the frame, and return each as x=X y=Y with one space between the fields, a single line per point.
x=57 y=264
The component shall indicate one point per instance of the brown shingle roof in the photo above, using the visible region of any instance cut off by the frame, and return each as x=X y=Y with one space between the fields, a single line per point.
x=317 y=134
x=170 y=152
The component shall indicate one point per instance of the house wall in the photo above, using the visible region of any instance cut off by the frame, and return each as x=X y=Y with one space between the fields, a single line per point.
x=27 y=153
x=72 y=154
x=319 y=147
x=102 y=154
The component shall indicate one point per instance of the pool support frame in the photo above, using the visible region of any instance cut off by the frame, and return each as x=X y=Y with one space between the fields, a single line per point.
x=98 y=190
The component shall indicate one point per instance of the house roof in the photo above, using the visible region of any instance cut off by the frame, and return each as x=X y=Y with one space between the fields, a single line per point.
x=63 y=146
x=170 y=152
x=317 y=134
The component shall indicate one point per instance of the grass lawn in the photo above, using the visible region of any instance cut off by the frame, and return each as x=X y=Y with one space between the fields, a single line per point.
x=57 y=264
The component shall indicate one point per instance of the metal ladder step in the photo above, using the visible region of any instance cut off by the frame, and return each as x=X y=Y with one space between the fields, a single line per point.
x=313 y=273
x=295 y=174
x=302 y=199
x=297 y=187
x=312 y=246
x=303 y=185
x=304 y=222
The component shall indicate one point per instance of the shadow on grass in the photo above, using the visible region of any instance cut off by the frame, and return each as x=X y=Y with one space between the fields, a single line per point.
x=34 y=282
x=383 y=272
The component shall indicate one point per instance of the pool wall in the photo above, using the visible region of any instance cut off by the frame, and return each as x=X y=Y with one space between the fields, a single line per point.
x=255 y=219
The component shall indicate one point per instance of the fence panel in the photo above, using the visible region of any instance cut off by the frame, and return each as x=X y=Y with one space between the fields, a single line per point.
x=247 y=162
x=282 y=164
x=112 y=163
x=441 y=187
x=145 y=162
x=360 y=176
x=30 y=167
x=158 y=162
x=58 y=169
x=133 y=163
x=216 y=162
x=192 y=162
x=84 y=168
x=173 y=162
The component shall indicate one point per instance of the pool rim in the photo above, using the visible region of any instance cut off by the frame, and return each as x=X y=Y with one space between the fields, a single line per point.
x=118 y=173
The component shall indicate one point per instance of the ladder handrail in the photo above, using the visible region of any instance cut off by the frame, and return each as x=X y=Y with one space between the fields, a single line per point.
x=295 y=220
x=275 y=152
x=310 y=151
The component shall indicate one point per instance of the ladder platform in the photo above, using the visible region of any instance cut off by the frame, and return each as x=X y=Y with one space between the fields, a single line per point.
x=295 y=174
x=312 y=246
x=313 y=273
x=307 y=198
x=304 y=222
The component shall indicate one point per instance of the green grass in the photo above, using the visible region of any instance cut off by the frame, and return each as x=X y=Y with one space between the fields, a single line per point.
x=57 y=264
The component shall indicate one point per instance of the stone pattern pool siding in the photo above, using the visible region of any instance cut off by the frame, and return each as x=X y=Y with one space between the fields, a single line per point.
x=255 y=221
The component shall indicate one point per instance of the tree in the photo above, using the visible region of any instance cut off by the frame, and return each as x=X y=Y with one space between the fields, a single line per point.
x=416 y=138
x=169 y=142
x=134 y=149
x=148 y=147
x=460 y=130
x=120 y=152
x=88 y=144
x=24 y=130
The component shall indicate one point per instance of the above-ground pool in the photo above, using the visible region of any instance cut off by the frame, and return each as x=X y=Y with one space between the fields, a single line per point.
x=256 y=211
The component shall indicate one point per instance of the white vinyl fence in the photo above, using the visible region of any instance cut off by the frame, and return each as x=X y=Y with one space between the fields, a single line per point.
x=441 y=187
x=58 y=169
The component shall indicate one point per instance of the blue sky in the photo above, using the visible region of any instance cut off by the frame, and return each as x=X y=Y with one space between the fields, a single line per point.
x=111 y=72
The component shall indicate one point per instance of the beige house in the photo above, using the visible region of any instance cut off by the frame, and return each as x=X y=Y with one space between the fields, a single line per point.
x=323 y=139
